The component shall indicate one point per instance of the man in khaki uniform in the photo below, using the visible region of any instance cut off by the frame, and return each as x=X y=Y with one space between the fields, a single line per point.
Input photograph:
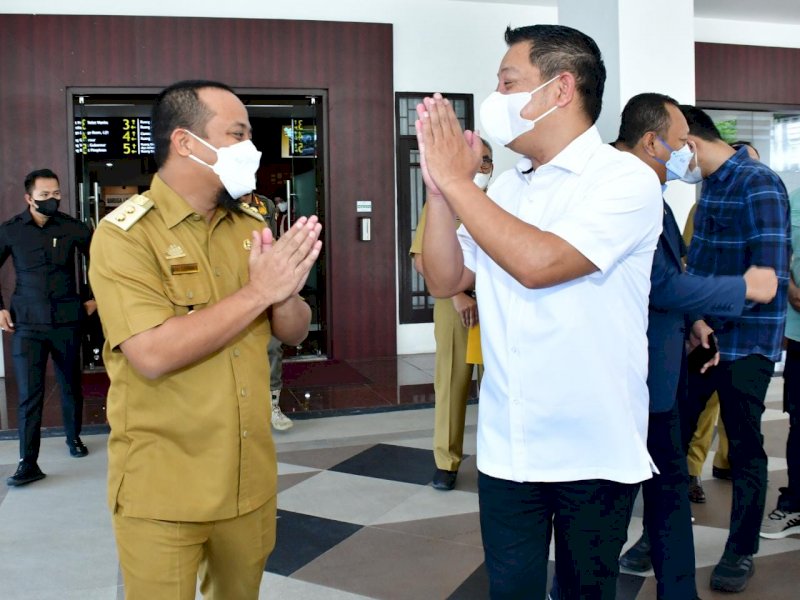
x=269 y=212
x=452 y=320
x=190 y=287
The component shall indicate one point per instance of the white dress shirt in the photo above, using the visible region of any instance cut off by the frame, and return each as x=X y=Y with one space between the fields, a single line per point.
x=564 y=395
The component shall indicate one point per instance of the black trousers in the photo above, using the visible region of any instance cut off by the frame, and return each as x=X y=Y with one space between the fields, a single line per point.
x=789 y=500
x=667 y=517
x=30 y=350
x=588 y=518
x=742 y=386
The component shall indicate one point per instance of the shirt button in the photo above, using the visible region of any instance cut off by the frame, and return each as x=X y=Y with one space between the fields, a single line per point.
x=236 y=352
x=196 y=217
x=243 y=391
x=244 y=433
x=190 y=294
x=216 y=271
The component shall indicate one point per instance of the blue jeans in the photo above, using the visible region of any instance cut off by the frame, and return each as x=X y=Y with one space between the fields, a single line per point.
x=588 y=518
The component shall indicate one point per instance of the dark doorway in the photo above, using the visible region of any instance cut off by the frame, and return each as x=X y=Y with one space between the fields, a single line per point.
x=113 y=159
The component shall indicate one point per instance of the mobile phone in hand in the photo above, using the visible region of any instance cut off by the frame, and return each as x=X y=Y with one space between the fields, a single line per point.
x=701 y=355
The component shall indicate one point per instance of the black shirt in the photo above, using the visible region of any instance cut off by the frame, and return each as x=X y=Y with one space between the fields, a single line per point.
x=47 y=293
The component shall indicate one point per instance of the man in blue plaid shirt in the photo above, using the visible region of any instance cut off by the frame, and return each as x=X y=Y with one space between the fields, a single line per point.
x=742 y=219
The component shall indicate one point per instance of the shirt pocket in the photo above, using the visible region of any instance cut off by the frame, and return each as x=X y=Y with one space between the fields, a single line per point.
x=719 y=223
x=187 y=292
x=61 y=251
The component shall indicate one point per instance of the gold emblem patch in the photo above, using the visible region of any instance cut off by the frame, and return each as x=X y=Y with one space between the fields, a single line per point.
x=247 y=244
x=174 y=251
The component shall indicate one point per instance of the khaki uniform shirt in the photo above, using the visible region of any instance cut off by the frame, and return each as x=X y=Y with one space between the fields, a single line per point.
x=195 y=444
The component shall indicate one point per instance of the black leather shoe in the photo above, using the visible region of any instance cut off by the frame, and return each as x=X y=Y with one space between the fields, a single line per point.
x=637 y=557
x=696 y=493
x=732 y=572
x=26 y=473
x=77 y=449
x=444 y=480
x=721 y=473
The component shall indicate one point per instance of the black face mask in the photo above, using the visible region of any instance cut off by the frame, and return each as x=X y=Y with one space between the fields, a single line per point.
x=47 y=207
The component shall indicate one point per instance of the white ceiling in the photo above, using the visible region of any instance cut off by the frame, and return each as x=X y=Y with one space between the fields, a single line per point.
x=769 y=11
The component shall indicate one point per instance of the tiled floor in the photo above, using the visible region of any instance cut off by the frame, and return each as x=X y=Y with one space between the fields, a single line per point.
x=356 y=518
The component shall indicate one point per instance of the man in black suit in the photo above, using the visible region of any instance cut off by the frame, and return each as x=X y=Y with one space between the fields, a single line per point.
x=654 y=129
x=46 y=310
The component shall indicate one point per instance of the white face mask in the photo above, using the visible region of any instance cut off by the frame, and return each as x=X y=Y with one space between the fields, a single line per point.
x=236 y=165
x=501 y=120
x=678 y=162
x=693 y=176
x=282 y=206
x=482 y=180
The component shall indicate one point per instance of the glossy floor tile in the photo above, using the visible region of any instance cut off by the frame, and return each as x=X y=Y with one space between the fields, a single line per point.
x=311 y=389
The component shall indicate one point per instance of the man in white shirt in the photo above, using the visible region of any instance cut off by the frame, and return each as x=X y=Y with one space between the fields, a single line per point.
x=560 y=254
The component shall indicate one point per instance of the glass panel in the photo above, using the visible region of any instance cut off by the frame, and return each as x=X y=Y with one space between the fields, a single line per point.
x=460 y=108
x=407 y=113
x=776 y=136
x=412 y=117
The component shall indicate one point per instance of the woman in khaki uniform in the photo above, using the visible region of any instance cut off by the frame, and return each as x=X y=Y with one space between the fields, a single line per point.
x=452 y=320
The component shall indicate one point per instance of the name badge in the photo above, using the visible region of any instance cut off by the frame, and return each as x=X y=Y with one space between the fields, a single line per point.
x=184 y=269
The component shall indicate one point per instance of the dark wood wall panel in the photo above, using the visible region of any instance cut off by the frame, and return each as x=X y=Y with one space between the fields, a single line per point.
x=746 y=75
x=40 y=56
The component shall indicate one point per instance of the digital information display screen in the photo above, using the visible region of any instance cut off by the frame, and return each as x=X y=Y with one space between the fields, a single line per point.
x=113 y=137
x=299 y=140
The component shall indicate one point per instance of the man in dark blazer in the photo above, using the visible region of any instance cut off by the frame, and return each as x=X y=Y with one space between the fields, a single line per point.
x=654 y=129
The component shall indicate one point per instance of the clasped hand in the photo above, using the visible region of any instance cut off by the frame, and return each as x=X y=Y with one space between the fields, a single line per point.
x=278 y=269
x=447 y=154
x=467 y=309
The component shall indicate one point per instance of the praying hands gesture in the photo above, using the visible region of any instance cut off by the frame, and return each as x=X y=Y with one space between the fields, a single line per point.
x=447 y=155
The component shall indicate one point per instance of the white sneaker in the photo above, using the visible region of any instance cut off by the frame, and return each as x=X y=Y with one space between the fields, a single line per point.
x=778 y=524
x=279 y=420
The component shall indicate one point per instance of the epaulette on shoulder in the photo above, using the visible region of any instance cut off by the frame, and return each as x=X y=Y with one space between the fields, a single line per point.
x=129 y=212
x=251 y=211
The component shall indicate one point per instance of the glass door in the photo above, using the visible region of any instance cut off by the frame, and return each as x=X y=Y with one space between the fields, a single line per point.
x=113 y=159
x=288 y=131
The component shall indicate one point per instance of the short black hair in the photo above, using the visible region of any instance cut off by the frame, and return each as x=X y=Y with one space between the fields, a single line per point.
x=700 y=124
x=180 y=106
x=643 y=113
x=487 y=144
x=30 y=178
x=557 y=48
